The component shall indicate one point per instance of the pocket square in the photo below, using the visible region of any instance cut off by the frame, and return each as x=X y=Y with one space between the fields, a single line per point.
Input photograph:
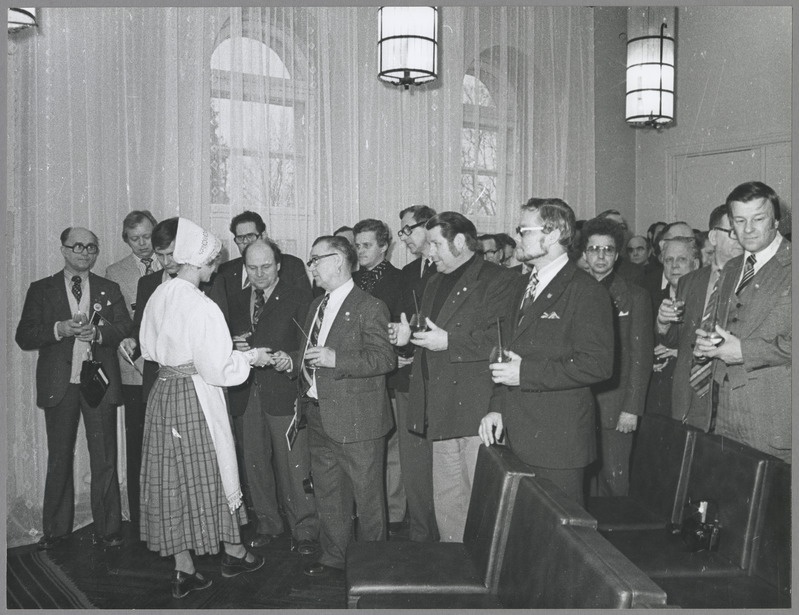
x=550 y=316
x=627 y=313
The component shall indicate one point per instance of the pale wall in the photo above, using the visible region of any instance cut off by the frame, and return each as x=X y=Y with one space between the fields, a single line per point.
x=733 y=92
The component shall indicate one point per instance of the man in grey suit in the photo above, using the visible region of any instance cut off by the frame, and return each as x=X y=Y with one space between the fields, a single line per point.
x=751 y=345
x=675 y=331
x=341 y=371
x=137 y=230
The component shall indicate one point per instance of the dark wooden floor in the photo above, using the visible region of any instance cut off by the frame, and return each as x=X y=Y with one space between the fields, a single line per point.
x=134 y=577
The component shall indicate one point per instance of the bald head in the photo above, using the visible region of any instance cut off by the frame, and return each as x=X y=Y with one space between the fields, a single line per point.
x=262 y=262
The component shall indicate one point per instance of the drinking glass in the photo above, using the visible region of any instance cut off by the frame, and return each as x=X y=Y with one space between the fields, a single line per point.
x=418 y=323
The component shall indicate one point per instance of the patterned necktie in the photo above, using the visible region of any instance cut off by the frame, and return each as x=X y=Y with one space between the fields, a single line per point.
x=701 y=368
x=749 y=273
x=258 y=307
x=148 y=265
x=529 y=293
x=76 y=289
x=313 y=339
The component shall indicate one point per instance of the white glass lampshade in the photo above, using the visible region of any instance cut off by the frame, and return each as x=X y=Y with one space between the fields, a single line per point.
x=407 y=45
x=650 y=66
x=21 y=18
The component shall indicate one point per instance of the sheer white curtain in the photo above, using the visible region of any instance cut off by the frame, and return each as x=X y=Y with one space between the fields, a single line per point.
x=205 y=112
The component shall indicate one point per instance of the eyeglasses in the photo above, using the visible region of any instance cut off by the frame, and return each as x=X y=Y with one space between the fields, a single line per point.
x=493 y=251
x=521 y=230
x=248 y=238
x=406 y=230
x=730 y=231
x=314 y=260
x=77 y=248
x=604 y=250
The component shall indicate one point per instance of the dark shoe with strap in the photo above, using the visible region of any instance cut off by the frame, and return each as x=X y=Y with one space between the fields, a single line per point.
x=318 y=569
x=183 y=583
x=232 y=566
x=49 y=542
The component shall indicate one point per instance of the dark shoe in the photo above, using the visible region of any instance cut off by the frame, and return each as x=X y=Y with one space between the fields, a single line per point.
x=396 y=527
x=306 y=547
x=232 y=566
x=318 y=569
x=48 y=542
x=183 y=583
x=261 y=540
x=109 y=542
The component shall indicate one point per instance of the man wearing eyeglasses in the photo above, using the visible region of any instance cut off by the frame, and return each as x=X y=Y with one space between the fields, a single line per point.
x=341 y=373
x=415 y=451
x=560 y=342
x=491 y=251
x=56 y=321
x=620 y=399
x=231 y=290
x=678 y=331
x=750 y=345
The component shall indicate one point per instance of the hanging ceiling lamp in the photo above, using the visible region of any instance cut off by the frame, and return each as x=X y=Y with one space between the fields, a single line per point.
x=650 y=66
x=21 y=18
x=407 y=44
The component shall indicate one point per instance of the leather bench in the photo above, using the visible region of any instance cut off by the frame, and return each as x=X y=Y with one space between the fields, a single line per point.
x=557 y=560
x=470 y=567
x=660 y=460
x=739 y=480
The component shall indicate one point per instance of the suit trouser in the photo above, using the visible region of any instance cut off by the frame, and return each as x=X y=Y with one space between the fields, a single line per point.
x=454 y=461
x=256 y=463
x=267 y=457
x=395 y=488
x=611 y=474
x=62 y=421
x=345 y=474
x=134 y=434
x=569 y=480
x=416 y=460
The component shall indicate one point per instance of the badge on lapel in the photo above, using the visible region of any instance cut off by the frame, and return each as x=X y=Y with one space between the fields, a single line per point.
x=550 y=315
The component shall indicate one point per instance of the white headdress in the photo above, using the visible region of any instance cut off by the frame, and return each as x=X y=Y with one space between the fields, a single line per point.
x=194 y=245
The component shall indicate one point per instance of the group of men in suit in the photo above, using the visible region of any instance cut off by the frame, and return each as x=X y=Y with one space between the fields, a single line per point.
x=353 y=379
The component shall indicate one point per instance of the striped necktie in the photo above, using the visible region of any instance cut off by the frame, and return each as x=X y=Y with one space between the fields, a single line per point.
x=258 y=307
x=529 y=293
x=148 y=265
x=313 y=340
x=701 y=368
x=749 y=273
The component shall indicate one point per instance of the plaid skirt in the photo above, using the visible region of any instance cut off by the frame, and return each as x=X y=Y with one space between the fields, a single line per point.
x=183 y=504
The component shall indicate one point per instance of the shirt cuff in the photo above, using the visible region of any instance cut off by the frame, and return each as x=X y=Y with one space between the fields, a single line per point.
x=58 y=338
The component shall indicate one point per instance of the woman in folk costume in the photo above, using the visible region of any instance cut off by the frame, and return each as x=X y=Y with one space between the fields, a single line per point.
x=191 y=498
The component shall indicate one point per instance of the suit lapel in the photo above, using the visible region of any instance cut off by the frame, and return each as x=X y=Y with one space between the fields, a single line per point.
x=58 y=294
x=548 y=297
x=274 y=300
x=345 y=312
x=460 y=293
x=766 y=287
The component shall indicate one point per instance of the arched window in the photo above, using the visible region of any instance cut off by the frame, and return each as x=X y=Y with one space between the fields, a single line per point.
x=486 y=146
x=256 y=104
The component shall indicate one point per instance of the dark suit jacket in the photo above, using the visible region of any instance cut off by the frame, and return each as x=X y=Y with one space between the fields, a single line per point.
x=390 y=289
x=276 y=330
x=761 y=319
x=625 y=391
x=651 y=283
x=145 y=289
x=226 y=283
x=685 y=404
x=227 y=293
x=452 y=402
x=566 y=344
x=46 y=303
x=353 y=401
x=413 y=282
x=630 y=271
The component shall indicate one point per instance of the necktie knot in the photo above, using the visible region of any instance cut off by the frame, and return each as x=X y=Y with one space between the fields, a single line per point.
x=749 y=273
x=148 y=265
